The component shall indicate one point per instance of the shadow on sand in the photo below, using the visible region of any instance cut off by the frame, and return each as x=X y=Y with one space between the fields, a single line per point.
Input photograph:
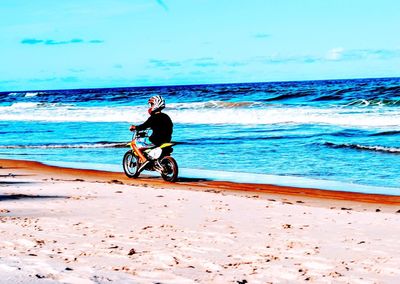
x=12 y=175
x=25 y=196
x=14 y=182
x=184 y=179
x=180 y=179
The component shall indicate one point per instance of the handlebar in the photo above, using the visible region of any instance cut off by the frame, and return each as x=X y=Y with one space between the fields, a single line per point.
x=139 y=134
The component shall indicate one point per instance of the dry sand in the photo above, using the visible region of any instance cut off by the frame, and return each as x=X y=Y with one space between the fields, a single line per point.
x=62 y=225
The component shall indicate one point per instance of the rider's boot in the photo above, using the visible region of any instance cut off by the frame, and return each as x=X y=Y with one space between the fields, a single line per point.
x=143 y=165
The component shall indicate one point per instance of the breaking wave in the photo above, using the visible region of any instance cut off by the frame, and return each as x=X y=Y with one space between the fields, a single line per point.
x=393 y=150
x=31 y=94
x=374 y=103
x=205 y=113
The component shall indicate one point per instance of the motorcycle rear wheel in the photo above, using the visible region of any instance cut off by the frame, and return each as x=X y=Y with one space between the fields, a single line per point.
x=170 y=169
x=131 y=164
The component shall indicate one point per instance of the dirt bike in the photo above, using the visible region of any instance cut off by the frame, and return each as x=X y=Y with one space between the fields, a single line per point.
x=158 y=159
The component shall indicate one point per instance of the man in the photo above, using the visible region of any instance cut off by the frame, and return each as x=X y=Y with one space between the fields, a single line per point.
x=160 y=124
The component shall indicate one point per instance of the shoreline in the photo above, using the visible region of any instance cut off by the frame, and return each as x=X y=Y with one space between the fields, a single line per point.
x=62 y=225
x=35 y=167
x=248 y=178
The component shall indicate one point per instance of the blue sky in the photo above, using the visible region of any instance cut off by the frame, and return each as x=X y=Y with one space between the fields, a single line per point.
x=48 y=44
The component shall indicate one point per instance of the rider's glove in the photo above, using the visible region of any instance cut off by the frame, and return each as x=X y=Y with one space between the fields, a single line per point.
x=133 y=127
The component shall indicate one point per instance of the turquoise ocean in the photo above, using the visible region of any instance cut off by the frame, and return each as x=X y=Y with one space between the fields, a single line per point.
x=335 y=134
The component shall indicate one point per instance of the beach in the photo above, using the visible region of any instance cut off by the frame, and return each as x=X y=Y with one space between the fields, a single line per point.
x=61 y=225
x=278 y=123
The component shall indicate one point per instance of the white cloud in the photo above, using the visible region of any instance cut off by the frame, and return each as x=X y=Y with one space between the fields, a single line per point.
x=335 y=54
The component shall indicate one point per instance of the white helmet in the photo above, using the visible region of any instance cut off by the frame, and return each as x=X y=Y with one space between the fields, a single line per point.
x=156 y=103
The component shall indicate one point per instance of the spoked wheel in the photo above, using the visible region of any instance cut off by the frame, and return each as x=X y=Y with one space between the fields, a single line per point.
x=131 y=165
x=170 y=169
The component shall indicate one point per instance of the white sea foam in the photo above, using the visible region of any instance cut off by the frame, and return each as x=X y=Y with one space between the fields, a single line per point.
x=380 y=148
x=212 y=104
x=22 y=105
x=196 y=114
x=371 y=148
x=31 y=94
x=294 y=115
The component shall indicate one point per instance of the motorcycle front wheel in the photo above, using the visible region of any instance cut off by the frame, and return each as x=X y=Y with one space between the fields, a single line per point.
x=130 y=163
x=170 y=169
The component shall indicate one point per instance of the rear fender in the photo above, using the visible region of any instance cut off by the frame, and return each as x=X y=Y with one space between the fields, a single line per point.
x=167 y=149
x=165 y=145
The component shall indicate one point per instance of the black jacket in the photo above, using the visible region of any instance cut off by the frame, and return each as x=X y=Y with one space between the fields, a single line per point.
x=161 y=124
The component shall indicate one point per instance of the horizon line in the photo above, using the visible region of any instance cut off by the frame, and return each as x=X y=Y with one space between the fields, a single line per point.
x=199 y=84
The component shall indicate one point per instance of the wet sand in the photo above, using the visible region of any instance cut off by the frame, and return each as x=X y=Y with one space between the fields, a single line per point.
x=61 y=225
